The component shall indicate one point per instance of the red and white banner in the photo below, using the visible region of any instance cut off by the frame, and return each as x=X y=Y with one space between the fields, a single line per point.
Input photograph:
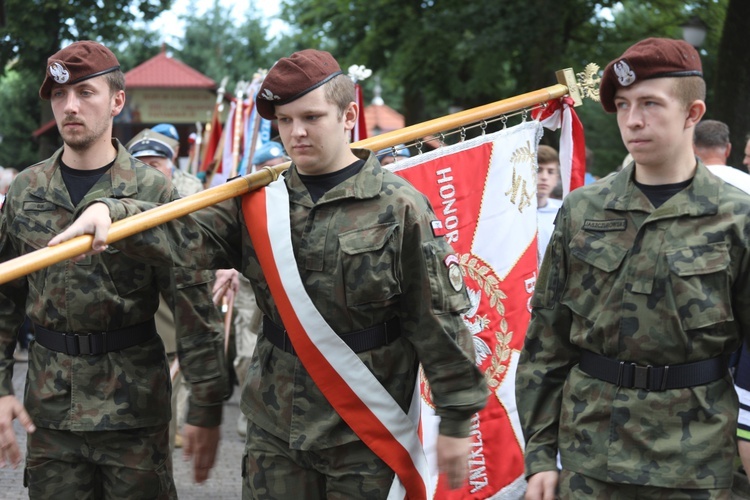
x=484 y=192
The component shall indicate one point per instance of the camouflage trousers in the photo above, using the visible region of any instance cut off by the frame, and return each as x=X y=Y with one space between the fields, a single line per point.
x=271 y=470
x=574 y=486
x=125 y=464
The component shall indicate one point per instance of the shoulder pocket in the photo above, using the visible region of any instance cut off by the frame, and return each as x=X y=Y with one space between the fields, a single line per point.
x=448 y=292
x=701 y=283
x=370 y=258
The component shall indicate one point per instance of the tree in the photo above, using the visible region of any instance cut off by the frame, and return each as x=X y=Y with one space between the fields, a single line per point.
x=445 y=54
x=631 y=21
x=18 y=118
x=732 y=81
x=463 y=54
x=37 y=29
x=219 y=44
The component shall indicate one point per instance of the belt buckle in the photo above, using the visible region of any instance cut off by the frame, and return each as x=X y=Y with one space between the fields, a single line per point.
x=84 y=343
x=641 y=376
x=76 y=344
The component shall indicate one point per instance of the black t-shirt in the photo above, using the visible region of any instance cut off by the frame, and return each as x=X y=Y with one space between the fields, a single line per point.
x=318 y=185
x=80 y=182
x=659 y=194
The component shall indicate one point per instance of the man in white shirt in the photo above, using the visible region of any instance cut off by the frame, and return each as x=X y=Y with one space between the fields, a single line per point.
x=711 y=144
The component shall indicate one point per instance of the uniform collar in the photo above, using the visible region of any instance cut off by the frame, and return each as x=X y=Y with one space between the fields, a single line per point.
x=701 y=197
x=366 y=184
x=122 y=174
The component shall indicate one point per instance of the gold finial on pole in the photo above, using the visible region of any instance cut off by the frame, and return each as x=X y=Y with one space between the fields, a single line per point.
x=581 y=85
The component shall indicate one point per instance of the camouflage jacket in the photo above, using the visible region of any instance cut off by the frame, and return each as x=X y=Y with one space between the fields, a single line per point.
x=365 y=252
x=650 y=286
x=185 y=183
x=124 y=389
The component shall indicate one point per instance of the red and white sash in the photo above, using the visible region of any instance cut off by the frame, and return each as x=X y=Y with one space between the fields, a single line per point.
x=348 y=385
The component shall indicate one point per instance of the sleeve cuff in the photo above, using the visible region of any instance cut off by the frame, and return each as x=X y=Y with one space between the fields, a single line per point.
x=204 y=416
x=6 y=377
x=454 y=428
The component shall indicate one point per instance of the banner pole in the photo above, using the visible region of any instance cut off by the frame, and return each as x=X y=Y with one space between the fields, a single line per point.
x=44 y=257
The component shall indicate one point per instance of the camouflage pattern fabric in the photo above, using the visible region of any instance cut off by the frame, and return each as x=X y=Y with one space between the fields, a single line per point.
x=185 y=183
x=650 y=286
x=199 y=328
x=117 y=390
x=126 y=465
x=271 y=470
x=579 y=487
x=365 y=252
x=247 y=326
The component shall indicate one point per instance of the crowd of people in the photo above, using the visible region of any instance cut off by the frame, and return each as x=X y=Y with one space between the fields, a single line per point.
x=343 y=291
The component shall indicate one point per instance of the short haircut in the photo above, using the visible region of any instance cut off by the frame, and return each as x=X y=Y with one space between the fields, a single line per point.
x=688 y=89
x=116 y=81
x=547 y=154
x=711 y=134
x=340 y=91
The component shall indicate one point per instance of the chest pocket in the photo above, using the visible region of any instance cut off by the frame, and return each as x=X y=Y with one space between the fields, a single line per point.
x=32 y=225
x=32 y=232
x=593 y=270
x=370 y=259
x=701 y=283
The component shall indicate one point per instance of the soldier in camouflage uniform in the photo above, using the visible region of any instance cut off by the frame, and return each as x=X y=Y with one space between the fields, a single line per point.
x=642 y=295
x=367 y=254
x=97 y=389
x=160 y=152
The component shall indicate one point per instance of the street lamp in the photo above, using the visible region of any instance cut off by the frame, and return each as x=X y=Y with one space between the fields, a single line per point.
x=694 y=31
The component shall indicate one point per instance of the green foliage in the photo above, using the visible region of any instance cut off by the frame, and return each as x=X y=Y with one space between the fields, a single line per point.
x=18 y=120
x=35 y=30
x=634 y=20
x=732 y=78
x=218 y=44
x=430 y=56
x=446 y=54
x=38 y=28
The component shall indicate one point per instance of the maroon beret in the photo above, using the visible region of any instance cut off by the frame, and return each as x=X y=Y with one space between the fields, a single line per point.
x=294 y=76
x=649 y=58
x=77 y=62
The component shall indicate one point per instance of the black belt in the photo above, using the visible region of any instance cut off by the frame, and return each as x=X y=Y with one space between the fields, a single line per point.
x=76 y=344
x=653 y=378
x=360 y=341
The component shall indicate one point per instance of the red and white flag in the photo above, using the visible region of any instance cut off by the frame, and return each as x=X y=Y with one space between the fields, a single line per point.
x=484 y=192
x=559 y=114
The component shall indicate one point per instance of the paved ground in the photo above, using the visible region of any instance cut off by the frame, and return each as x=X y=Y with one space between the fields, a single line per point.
x=224 y=483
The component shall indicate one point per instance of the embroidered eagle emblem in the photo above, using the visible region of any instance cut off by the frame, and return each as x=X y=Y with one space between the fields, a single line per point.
x=58 y=73
x=625 y=75
x=269 y=96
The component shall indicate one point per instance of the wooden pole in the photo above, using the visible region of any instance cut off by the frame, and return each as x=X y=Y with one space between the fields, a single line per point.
x=39 y=259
